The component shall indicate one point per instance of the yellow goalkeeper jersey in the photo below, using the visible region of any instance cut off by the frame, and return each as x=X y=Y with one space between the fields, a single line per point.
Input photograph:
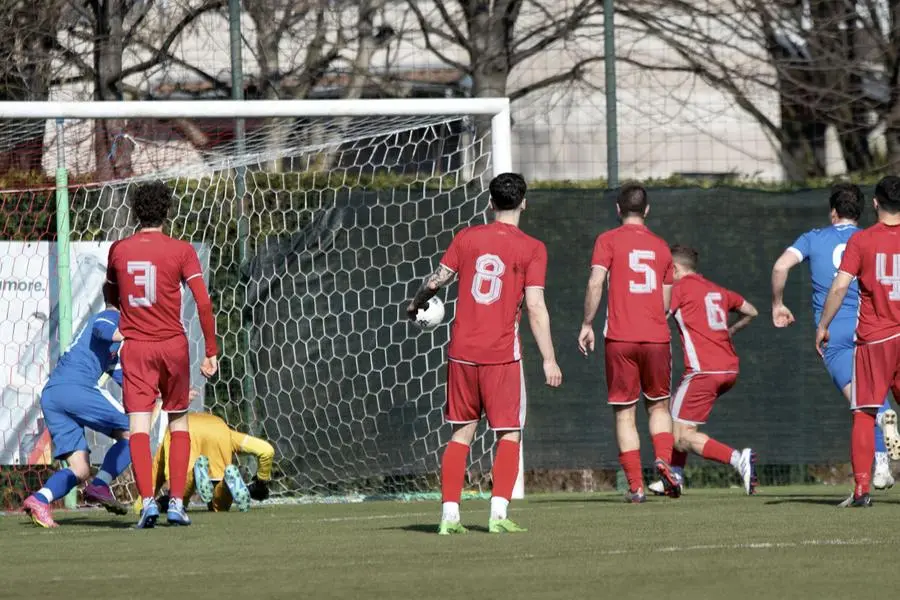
x=211 y=437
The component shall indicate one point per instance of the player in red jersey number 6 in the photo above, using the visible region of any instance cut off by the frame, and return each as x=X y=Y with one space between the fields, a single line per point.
x=498 y=267
x=701 y=308
x=872 y=257
x=638 y=265
x=145 y=274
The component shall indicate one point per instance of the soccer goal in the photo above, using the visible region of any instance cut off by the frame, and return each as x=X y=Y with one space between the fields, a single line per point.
x=315 y=221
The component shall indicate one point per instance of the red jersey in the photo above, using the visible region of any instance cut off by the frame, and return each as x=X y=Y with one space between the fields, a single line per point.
x=639 y=265
x=873 y=257
x=701 y=310
x=148 y=269
x=495 y=263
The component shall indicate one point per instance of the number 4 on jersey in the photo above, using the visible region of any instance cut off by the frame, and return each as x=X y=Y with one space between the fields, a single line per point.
x=144 y=273
x=892 y=280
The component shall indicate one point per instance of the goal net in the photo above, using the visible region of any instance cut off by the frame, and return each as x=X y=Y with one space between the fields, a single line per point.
x=313 y=229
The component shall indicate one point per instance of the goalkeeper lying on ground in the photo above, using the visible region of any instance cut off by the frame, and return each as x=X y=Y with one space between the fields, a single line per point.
x=210 y=470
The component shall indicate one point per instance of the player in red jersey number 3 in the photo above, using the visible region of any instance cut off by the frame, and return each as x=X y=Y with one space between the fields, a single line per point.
x=872 y=257
x=145 y=274
x=638 y=265
x=499 y=267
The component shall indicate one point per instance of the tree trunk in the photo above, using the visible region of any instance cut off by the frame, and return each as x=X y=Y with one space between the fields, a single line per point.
x=490 y=73
x=112 y=152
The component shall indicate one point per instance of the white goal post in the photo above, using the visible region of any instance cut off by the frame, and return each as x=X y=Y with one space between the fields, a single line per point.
x=335 y=193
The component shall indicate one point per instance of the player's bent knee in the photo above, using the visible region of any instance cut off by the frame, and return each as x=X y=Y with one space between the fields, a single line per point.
x=512 y=435
x=464 y=433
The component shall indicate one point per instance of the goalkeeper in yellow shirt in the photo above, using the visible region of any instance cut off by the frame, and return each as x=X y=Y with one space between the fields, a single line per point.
x=211 y=473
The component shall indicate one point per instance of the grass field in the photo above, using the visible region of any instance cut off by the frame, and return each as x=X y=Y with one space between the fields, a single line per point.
x=789 y=542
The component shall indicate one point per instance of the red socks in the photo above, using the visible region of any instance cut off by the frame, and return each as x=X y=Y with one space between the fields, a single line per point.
x=506 y=469
x=141 y=463
x=679 y=459
x=862 y=450
x=662 y=446
x=453 y=471
x=631 y=464
x=179 y=456
x=719 y=452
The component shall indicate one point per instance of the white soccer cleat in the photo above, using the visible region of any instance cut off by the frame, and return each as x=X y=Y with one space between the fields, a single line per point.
x=887 y=422
x=882 y=479
x=747 y=470
x=657 y=488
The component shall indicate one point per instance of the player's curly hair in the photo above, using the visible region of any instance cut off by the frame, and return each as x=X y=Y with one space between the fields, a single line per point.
x=632 y=200
x=507 y=191
x=151 y=203
x=847 y=201
x=686 y=256
x=887 y=192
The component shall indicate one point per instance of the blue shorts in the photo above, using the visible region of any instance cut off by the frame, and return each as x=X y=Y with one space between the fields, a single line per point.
x=839 y=353
x=69 y=408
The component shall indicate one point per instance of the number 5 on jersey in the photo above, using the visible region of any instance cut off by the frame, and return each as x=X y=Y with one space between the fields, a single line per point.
x=638 y=261
x=144 y=273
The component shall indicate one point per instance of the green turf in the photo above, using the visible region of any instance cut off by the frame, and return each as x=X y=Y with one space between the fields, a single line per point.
x=787 y=542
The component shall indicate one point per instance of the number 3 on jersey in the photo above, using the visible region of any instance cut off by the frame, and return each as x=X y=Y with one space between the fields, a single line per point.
x=638 y=262
x=144 y=273
x=487 y=285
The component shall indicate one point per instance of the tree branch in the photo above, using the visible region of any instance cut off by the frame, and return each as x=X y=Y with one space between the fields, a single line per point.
x=575 y=73
x=163 y=51
x=427 y=31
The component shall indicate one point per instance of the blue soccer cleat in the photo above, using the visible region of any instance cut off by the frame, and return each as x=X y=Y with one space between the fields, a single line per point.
x=239 y=491
x=176 y=515
x=149 y=515
x=201 y=479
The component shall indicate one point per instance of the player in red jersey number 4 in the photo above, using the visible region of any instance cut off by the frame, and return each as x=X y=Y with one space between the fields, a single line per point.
x=499 y=267
x=872 y=257
x=701 y=308
x=638 y=265
x=145 y=274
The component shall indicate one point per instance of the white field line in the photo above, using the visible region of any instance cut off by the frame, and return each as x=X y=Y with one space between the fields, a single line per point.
x=750 y=546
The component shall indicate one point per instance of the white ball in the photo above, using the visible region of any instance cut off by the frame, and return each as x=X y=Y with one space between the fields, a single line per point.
x=431 y=316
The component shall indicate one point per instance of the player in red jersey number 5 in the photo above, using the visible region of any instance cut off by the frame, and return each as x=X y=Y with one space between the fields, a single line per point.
x=872 y=257
x=638 y=266
x=499 y=267
x=145 y=274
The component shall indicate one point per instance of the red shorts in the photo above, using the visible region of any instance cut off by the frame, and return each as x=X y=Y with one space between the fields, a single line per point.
x=635 y=367
x=154 y=369
x=497 y=391
x=697 y=393
x=875 y=371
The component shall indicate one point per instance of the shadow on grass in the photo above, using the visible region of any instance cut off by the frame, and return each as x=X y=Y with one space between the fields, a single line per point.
x=431 y=529
x=822 y=500
x=606 y=497
x=110 y=524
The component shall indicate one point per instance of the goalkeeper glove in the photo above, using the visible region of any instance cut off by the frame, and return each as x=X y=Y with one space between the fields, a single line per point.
x=259 y=489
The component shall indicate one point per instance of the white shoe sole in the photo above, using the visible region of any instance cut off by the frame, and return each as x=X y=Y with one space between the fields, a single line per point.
x=891 y=435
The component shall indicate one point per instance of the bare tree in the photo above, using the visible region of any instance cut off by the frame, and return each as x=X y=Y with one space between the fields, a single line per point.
x=829 y=63
x=27 y=51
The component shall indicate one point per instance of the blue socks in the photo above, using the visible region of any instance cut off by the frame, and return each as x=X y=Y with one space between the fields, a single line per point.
x=59 y=484
x=116 y=460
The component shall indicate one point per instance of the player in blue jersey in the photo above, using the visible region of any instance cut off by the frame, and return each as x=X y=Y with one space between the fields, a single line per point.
x=73 y=400
x=823 y=248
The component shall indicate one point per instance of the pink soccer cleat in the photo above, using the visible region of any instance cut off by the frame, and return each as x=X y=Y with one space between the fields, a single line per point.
x=40 y=513
x=102 y=495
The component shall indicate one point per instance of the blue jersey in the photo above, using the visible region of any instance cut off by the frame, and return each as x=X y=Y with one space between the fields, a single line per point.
x=92 y=354
x=824 y=249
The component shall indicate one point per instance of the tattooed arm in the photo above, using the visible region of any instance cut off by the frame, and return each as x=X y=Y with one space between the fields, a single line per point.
x=434 y=282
